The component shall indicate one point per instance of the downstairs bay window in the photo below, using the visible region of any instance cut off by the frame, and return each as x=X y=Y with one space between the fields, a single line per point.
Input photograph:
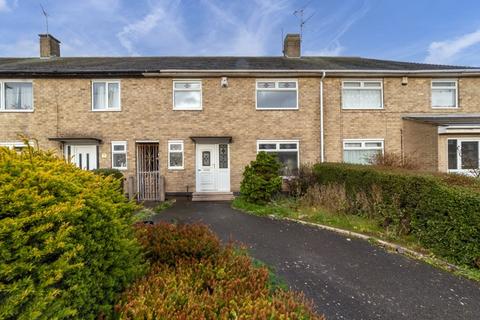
x=361 y=151
x=286 y=151
x=463 y=155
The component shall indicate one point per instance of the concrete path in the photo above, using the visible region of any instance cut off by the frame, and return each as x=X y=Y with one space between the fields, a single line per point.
x=345 y=278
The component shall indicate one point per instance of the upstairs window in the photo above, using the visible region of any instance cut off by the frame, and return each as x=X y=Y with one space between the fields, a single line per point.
x=106 y=96
x=361 y=151
x=187 y=95
x=286 y=153
x=175 y=155
x=119 y=155
x=277 y=94
x=365 y=94
x=16 y=96
x=444 y=93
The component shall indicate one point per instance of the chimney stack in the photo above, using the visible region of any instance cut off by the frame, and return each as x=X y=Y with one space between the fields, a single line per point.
x=49 y=46
x=291 y=45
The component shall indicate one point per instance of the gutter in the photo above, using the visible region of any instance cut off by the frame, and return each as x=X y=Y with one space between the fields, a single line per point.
x=322 y=144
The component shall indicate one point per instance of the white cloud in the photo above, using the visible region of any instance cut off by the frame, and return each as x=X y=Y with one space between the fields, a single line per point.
x=222 y=28
x=20 y=48
x=4 y=6
x=331 y=30
x=448 y=51
x=162 y=29
x=334 y=50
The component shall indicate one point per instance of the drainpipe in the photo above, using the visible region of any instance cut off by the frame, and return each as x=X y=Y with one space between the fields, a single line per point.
x=322 y=149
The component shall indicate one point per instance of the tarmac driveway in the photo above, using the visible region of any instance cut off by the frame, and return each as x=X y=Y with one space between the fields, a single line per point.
x=345 y=278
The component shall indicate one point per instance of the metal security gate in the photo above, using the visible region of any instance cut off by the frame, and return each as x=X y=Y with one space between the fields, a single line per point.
x=148 y=172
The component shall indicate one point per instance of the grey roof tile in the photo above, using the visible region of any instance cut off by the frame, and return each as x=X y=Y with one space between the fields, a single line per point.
x=73 y=65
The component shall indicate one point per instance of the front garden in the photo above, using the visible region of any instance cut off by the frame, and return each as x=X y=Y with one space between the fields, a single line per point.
x=70 y=249
x=436 y=214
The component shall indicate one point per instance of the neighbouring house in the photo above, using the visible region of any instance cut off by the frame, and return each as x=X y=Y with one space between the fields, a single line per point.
x=198 y=121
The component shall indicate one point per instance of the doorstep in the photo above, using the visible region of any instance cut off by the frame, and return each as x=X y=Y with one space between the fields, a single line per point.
x=212 y=196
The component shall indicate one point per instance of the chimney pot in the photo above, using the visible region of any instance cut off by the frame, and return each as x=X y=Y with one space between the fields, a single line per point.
x=49 y=46
x=291 y=45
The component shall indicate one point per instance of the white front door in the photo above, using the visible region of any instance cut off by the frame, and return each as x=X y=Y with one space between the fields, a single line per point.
x=84 y=156
x=213 y=168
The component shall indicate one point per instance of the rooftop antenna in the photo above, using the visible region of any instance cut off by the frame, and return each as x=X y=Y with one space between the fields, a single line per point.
x=46 y=17
x=300 y=14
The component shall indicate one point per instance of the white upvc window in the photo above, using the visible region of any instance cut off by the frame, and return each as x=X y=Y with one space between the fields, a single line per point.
x=106 y=95
x=277 y=94
x=16 y=96
x=361 y=151
x=444 y=93
x=463 y=155
x=187 y=95
x=286 y=151
x=362 y=94
x=119 y=155
x=14 y=145
x=175 y=154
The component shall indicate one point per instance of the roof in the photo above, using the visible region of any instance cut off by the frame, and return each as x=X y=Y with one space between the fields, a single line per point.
x=446 y=119
x=142 y=65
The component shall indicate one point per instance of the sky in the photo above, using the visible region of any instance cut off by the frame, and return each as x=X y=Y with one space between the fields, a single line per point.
x=432 y=31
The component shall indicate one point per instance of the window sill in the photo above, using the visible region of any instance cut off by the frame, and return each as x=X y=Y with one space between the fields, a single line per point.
x=277 y=109
x=363 y=109
x=454 y=108
x=182 y=109
x=176 y=169
x=121 y=169
x=17 y=111
x=106 y=110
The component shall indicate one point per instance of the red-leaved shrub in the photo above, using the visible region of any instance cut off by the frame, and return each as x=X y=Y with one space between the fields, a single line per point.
x=194 y=277
x=167 y=243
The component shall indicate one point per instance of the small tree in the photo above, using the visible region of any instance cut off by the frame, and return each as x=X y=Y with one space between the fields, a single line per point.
x=261 y=179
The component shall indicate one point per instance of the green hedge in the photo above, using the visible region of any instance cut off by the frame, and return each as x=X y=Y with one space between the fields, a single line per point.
x=441 y=211
x=67 y=246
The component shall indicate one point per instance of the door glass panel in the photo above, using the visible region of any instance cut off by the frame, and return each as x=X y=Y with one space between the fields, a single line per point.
x=206 y=158
x=469 y=151
x=223 y=156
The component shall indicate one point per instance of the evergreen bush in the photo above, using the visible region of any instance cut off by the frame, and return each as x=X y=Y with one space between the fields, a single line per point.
x=261 y=179
x=67 y=246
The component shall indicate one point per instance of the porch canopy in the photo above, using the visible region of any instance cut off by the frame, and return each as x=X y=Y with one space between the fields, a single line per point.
x=449 y=123
x=79 y=140
x=212 y=139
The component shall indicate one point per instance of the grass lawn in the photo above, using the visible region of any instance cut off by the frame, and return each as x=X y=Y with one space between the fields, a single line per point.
x=286 y=207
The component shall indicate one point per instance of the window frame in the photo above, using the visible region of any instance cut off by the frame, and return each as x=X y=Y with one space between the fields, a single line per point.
x=174 y=81
x=106 y=82
x=182 y=151
x=363 y=145
x=297 y=89
x=362 y=87
x=440 y=81
x=2 y=95
x=13 y=144
x=459 y=155
x=277 y=149
x=123 y=143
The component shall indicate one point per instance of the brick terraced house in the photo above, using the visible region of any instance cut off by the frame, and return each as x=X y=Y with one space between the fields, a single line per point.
x=194 y=123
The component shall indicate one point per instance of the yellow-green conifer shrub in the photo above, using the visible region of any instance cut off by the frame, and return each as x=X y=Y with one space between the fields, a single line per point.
x=66 y=241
